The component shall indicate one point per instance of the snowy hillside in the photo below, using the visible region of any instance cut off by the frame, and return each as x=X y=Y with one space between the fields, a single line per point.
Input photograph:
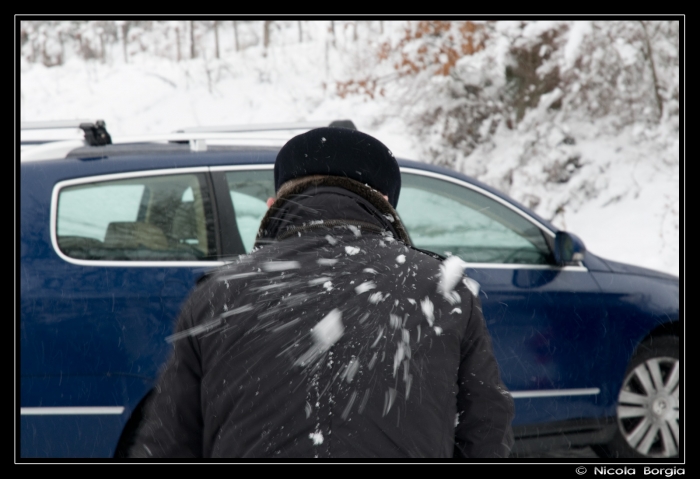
x=611 y=179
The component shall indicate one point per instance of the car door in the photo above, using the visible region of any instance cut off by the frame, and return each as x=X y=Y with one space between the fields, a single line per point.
x=547 y=325
x=106 y=263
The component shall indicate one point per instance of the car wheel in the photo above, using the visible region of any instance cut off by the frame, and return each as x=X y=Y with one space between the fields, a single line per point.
x=648 y=403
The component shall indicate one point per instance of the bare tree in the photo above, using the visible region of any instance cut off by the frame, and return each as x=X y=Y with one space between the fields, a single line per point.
x=177 y=43
x=124 y=31
x=650 y=55
x=101 y=35
x=192 y=50
x=266 y=33
x=235 y=35
x=216 y=38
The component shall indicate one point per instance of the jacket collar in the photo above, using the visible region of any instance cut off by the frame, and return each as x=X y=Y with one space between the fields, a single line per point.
x=323 y=204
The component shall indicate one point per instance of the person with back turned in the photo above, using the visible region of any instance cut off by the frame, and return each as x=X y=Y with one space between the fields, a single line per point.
x=334 y=338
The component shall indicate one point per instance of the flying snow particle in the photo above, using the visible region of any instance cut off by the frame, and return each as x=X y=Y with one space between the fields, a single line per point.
x=401 y=259
x=236 y=276
x=281 y=265
x=328 y=330
x=438 y=330
x=355 y=230
x=352 y=370
x=394 y=321
x=366 y=286
x=372 y=361
x=389 y=397
x=428 y=310
x=346 y=412
x=374 y=298
x=473 y=285
x=351 y=250
x=398 y=356
x=331 y=239
x=451 y=271
x=325 y=334
x=326 y=261
x=316 y=438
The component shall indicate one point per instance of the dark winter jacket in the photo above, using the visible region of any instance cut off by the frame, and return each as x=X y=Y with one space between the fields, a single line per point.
x=332 y=340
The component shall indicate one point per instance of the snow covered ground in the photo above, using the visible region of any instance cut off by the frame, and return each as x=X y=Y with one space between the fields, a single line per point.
x=621 y=195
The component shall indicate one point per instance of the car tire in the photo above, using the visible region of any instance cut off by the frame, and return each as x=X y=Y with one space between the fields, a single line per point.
x=648 y=404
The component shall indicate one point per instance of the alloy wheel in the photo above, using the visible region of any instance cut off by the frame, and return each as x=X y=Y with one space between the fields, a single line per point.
x=648 y=406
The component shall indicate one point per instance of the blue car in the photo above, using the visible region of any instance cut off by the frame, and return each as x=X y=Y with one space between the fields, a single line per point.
x=115 y=234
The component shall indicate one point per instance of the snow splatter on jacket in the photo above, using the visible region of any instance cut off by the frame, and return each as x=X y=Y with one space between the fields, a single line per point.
x=332 y=340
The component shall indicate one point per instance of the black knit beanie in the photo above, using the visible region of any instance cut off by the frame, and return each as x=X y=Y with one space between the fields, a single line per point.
x=340 y=152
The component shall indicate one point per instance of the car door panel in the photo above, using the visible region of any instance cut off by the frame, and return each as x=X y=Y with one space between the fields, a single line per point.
x=547 y=338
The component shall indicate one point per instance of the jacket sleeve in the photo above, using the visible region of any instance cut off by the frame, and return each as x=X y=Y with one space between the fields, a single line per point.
x=172 y=422
x=485 y=408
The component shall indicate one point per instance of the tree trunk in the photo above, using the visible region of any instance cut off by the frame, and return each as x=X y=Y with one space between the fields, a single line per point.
x=103 y=53
x=125 y=33
x=235 y=35
x=177 y=43
x=381 y=27
x=332 y=31
x=61 y=43
x=216 y=38
x=659 y=101
x=266 y=33
x=354 y=31
x=193 y=53
x=301 y=34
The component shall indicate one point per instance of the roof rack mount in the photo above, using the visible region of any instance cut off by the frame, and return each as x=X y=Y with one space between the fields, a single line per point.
x=95 y=131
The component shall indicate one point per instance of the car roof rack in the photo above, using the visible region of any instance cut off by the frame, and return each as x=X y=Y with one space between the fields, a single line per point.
x=196 y=136
x=95 y=132
x=269 y=127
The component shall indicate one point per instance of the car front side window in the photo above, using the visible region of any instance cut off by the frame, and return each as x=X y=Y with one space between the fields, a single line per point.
x=447 y=218
x=249 y=191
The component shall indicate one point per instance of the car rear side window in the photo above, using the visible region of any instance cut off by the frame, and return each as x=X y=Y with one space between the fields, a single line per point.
x=151 y=218
x=447 y=218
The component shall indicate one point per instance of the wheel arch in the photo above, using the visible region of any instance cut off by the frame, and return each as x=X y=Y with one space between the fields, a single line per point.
x=671 y=328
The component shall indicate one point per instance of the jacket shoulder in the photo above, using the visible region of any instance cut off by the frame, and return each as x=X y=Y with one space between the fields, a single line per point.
x=432 y=254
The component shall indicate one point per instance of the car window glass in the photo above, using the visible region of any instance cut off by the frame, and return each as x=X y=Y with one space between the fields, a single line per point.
x=249 y=192
x=447 y=218
x=156 y=218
